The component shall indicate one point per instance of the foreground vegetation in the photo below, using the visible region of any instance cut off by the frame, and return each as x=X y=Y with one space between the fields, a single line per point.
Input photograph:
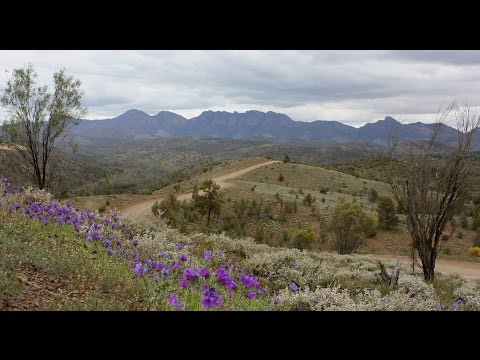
x=56 y=257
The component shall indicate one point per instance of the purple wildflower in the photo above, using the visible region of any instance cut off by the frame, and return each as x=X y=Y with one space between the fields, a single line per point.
x=211 y=299
x=180 y=246
x=293 y=287
x=204 y=272
x=110 y=252
x=224 y=277
x=249 y=281
x=140 y=270
x=190 y=274
x=135 y=242
x=250 y=295
x=164 y=253
x=183 y=257
x=207 y=255
x=173 y=300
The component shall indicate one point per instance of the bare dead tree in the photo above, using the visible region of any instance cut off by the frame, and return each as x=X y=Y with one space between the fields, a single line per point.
x=429 y=185
x=390 y=280
x=39 y=120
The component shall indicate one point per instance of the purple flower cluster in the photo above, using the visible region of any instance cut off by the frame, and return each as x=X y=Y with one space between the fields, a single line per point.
x=211 y=299
x=173 y=300
x=207 y=255
x=223 y=275
x=249 y=281
x=456 y=304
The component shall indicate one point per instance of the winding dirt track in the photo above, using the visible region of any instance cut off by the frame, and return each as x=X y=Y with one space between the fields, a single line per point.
x=468 y=270
x=143 y=208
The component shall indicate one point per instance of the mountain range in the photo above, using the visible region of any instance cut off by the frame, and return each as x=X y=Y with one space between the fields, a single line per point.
x=136 y=124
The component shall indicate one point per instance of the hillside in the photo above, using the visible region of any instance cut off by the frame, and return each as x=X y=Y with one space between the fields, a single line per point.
x=71 y=173
x=259 y=205
x=126 y=267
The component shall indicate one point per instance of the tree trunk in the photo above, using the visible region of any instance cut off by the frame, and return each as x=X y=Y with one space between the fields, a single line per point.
x=208 y=216
x=428 y=265
x=429 y=272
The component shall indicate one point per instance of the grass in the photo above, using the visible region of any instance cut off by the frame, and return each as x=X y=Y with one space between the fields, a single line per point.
x=48 y=268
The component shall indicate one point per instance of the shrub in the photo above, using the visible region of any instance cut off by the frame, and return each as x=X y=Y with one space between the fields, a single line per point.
x=308 y=200
x=289 y=207
x=350 y=225
x=372 y=195
x=323 y=190
x=259 y=234
x=476 y=240
x=304 y=239
x=474 y=250
x=476 y=221
x=286 y=159
x=387 y=216
x=285 y=236
x=280 y=177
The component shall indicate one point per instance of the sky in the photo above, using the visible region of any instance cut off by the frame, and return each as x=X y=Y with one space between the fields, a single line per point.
x=350 y=86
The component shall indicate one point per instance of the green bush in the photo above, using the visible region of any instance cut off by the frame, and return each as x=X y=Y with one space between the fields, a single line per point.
x=304 y=239
x=372 y=195
x=387 y=215
x=285 y=236
x=259 y=233
x=350 y=225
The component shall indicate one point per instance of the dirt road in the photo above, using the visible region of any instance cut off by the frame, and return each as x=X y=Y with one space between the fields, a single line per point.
x=143 y=208
x=468 y=270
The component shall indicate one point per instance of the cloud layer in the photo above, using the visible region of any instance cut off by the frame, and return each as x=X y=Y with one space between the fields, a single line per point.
x=354 y=87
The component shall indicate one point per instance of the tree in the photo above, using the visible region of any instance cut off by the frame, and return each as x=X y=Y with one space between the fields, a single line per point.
x=286 y=159
x=39 y=120
x=210 y=199
x=387 y=214
x=304 y=239
x=372 y=195
x=430 y=185
x=350 y=225
x=308 y=200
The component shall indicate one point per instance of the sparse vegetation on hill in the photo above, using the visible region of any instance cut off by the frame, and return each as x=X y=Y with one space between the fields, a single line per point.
x=153 y=267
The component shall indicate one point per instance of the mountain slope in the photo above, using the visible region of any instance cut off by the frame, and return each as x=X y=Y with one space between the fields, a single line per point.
x=135 y=124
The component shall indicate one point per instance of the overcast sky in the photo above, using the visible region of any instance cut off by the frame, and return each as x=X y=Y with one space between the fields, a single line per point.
x=353 y=87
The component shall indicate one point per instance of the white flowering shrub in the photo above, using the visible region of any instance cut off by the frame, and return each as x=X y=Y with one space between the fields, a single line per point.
x=347 y=282
x=469 y=292
x=32 y=194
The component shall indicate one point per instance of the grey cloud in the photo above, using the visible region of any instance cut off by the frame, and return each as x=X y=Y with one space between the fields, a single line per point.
x=454 y=57
x=353 y=86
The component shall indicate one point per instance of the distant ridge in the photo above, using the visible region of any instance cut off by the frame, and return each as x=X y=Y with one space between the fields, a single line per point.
x=136 y=124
